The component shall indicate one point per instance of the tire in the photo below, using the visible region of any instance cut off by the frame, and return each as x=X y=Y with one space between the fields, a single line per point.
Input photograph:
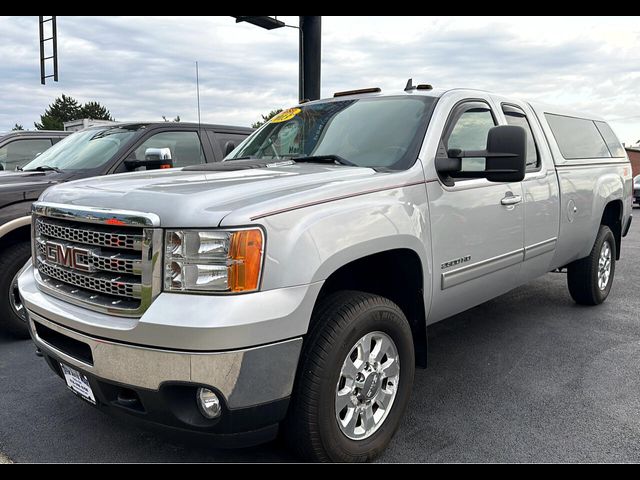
x=12 y=259
x=339 y=322
x=583 y=275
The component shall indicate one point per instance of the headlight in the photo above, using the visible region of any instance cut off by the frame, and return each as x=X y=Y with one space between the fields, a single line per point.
x=213 y=260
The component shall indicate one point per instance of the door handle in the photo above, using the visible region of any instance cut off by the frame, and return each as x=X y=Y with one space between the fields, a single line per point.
x=511 y=199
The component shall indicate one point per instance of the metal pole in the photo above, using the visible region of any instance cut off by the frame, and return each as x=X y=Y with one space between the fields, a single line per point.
x=41 y=27
x=54 y=30
x=310 y=50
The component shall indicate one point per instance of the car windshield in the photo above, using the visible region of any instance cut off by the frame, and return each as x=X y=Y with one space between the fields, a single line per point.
x=378 y=132
x=84 y=150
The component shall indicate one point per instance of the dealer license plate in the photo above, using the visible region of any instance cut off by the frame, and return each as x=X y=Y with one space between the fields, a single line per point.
x=78 y=383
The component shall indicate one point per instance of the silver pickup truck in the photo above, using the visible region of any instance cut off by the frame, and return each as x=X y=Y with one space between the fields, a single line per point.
x=290 y=287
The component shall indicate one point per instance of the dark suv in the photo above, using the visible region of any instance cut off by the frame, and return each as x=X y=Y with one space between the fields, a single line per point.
x=98 y=150
x=19 y=147
x=636 y=189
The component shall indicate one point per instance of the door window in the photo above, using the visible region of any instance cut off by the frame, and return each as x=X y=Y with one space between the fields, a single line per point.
x=185 y=147
x=21 y=152
x=469 y=132
x=516 y=116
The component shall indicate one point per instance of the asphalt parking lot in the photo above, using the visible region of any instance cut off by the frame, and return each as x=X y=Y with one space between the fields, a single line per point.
x=527 y=377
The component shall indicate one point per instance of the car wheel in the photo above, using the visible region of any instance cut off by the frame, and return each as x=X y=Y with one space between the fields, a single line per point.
x=590 y=278
x=13 y=318
x=354 y=379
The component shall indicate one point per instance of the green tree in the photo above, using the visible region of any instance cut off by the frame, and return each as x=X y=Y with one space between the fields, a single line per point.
x=177 y=119
x=95 y=111
x=266 y=118
x=17 y=126
x=63 y=109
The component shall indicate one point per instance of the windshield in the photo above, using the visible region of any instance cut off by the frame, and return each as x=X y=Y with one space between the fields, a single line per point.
x=378 y=132
x=84 y=150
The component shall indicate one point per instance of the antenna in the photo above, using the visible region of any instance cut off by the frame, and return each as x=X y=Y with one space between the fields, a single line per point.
x=198 y=93
x=409 y=86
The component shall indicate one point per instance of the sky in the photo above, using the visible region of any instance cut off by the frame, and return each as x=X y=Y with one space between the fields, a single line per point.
x=142 y=68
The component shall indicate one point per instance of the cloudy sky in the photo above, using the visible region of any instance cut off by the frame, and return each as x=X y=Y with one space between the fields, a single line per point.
x=143 y=67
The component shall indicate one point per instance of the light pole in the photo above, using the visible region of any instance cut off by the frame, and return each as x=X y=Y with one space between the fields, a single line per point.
x=310 y=38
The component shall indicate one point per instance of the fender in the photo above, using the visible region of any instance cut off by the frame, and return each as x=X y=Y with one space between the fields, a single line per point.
x=312 y=243
x=14 y=224
x=609 y=187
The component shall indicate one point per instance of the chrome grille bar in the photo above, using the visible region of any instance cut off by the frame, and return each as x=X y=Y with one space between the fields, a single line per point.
x=117 y=286
x=91 y=234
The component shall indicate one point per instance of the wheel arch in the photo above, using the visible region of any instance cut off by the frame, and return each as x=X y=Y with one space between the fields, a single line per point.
x=396 y=274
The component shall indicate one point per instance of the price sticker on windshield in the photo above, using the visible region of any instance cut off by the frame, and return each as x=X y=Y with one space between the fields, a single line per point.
x=285 y=115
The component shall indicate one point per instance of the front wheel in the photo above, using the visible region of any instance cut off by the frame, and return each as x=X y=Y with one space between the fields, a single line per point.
x=590 y=278
x=354 y=379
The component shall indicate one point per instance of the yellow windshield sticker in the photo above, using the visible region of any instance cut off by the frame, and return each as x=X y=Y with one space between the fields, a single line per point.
x=285 y=115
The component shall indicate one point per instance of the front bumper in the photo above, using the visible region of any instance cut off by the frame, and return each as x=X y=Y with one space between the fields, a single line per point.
x=151 y=367
x=159 y=386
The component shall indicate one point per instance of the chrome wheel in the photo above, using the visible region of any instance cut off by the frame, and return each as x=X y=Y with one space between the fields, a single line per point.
x=367 y=385
x=14 y=298
x=604 y=266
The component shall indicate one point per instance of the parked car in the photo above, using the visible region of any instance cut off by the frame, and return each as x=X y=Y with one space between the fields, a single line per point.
x=100 y=150
x=636 y=189
x=19 y=147
x=291 y=285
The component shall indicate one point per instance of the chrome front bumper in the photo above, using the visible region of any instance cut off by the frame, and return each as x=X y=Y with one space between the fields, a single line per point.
x=245 y=378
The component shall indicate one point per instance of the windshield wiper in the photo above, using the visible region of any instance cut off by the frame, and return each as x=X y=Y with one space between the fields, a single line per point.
x=44 y=168
x=325 y=159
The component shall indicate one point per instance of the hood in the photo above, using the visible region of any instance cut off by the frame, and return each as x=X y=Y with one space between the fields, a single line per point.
x=17 y=186
x=203 y=198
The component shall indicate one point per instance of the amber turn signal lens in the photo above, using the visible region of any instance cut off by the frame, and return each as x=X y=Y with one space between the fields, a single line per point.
x=246 y=260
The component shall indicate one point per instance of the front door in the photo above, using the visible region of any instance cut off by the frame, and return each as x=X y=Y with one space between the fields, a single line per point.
x=476 y=225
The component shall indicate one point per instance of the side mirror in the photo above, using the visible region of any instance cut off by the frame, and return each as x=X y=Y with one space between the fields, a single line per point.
x=228 y=148
x=506 y=157
x=154 y=158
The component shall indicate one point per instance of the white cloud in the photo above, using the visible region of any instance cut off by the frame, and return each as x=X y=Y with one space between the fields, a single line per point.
x=143 y=67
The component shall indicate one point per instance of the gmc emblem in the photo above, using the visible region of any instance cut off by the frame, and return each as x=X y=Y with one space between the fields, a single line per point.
x=68 y=256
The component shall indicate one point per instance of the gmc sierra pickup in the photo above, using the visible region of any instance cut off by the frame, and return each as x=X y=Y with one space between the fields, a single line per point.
x=291 y=285
x=99 y=150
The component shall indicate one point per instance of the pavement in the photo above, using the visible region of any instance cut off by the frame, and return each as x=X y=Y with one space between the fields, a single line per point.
x=527 y=377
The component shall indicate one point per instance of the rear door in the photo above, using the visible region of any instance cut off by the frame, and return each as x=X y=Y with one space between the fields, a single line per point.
x=476 y=225
x=541 y=194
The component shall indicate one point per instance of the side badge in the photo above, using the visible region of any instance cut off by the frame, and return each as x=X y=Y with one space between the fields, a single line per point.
x=457 y=261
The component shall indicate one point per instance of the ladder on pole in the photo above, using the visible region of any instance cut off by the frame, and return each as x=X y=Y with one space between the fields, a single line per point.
x=53 y=39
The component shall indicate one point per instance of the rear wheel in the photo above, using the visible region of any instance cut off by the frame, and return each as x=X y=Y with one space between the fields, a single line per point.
x=354 y=379
x=13 y=318
x=590 y=278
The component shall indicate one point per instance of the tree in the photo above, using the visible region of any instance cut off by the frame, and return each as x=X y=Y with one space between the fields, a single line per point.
x=266 y=118
x=177 y=119
x=95 y=111
x=17 y=126
x=63 y=109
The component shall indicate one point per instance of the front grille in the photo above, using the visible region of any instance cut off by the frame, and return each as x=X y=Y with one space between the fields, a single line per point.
x=107 y=268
